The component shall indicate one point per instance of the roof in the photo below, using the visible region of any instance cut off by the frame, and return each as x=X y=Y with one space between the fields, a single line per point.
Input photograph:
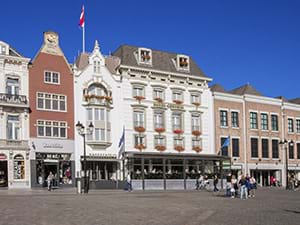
x=245 y=89
x=295 y=100
x=82 y=61
x=161 y=60
x=217 y=88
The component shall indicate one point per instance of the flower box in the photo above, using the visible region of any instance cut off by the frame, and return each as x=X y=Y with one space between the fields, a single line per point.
x=108 y=98
x=158 y=99
x=160 y=148
x=196 y=132
x=140 y=146
x=139 y=129
x=178 y=102
x=179 y=148
x=139 y=98
x=196 y=104
x=178 y=131
x=160 y=129
x=197 y=149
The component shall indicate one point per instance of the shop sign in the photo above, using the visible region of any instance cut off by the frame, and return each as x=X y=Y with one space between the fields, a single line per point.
x=102 y=156
x=52 y=145
x=54 y=156
x=226 y=164
x=2 y=156
x=175 y=107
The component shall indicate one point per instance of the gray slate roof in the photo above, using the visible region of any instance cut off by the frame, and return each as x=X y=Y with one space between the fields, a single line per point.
x=295 y=100
x=245 y=89
x=217 y=88
x=160 y=61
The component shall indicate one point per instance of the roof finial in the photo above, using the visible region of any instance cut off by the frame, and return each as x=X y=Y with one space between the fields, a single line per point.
x=96 y=47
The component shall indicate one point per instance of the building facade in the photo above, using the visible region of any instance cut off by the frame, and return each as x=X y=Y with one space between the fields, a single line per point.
x=52 y=115
x=257 y=125
x=167 y=113
x=14 y=119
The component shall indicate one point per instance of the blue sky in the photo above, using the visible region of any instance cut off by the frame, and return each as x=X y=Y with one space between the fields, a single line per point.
x=233 y=41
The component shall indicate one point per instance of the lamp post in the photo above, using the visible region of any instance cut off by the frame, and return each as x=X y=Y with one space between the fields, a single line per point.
x=82 y=131
x=285 y=144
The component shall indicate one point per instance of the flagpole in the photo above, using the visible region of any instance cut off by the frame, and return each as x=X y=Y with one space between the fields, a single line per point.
x=83 y=39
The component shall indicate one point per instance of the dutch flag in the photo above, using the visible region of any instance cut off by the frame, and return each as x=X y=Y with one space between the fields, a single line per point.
x=122 y=144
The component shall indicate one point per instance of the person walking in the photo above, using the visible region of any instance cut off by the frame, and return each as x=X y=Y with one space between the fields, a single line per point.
x=234 y=187
x=243 y=185
x=252 y=187
x=216 y=181
x=128 y=182
x=50 y=181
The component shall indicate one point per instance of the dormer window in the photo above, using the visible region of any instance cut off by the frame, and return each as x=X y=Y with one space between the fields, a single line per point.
x=183 y=62
x=96 y=66
x=145 y=56
x=2 y=50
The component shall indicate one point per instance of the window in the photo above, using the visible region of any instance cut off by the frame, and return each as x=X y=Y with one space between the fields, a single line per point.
x=177 y=96
x=139 y=140
x=275 y=152
x=264 y=121
x=96 y=66
x=145 y=56
x=138 y=119
x=195 y=98
x=254 y=147
x=159 y=140
x=223 y=118
x=298 y=126
x=196 y=142
x=234 y=119
x=12 y=86
x=13 y=127
x=195 y=122
x=290 y=125
x=253 y=120
x=99 y=134
x=19 y=167
x=183 y=62
x=99 y=114
x=51 y=77
x=274 y=121
x=177 y=121
x=235 y=147
x=158 y=94
x=89 y=114
x=298 y=150
x=178 y=141
x=52 y=129
x=138 y=91
x=224 y=150
x=291 y=151
x=158 y=120
x=52 y=102
x=265 y=148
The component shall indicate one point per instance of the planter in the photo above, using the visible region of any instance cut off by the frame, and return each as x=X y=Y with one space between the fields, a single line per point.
x=160 y=148
x=139 y=98
x=160 y=129
x=108 y=98
x=197 y=149
x=178 y=131
x=140 y=147
x=158 y=99
x=178 y=102
x=179 y=148
x=139 y=129
x=197 y=104
x=196 y=132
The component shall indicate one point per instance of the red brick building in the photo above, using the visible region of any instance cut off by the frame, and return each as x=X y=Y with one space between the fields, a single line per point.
x=52 y=114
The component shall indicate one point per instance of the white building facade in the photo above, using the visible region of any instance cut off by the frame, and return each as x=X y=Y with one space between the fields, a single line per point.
x=14 y=119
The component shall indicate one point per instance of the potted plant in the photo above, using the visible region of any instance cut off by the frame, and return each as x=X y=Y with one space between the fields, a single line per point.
x=178 y=131
x=197 y=104
x=139 y=98
x=197 y=148
x=160 y=129
x=179 y=148
x=178 y=102
x=158 y=99
x=140 y=146
x=139 y=129
x=160 y=148
x=196 y=132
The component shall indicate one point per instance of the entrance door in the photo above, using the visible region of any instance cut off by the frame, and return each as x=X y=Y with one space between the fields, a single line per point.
x=51 y=168
x=3 y=174
x=265 y=178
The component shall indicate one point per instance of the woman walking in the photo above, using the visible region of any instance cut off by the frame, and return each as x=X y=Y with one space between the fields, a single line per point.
x=243 y=185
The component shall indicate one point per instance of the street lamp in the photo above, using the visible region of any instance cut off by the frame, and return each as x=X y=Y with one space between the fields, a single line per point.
x=82 y=131
x=285 y=144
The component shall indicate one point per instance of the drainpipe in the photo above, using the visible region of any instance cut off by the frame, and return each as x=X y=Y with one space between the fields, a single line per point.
x=245 y=135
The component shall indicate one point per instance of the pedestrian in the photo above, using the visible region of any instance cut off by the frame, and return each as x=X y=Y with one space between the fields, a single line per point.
x=248 y=184
x=128 y=182
x=49 y=181
x=228 y=185
x=252 y=187
x=216 y=181
x=199 y=182
x=243 y=186
x=234 y=187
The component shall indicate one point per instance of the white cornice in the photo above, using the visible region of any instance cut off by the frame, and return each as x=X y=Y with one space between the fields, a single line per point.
x=263 y=100
x=227 y=97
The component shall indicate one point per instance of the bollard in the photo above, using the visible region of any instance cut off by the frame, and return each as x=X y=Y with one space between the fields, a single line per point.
x=79 y=191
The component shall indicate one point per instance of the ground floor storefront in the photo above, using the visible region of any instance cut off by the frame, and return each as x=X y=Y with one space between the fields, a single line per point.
x=173 y=171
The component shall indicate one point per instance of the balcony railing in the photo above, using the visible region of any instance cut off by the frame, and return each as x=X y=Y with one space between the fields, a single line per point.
x=13 y=99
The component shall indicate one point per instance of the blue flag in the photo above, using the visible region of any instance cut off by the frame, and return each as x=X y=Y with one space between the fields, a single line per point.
x=226 y=142
x=122 y=144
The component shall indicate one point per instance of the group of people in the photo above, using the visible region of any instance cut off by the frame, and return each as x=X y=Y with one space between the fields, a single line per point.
x=244 y=186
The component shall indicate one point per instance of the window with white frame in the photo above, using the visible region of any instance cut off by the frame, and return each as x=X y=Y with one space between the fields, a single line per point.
x=51 y=77
x=158 y=119
x=253 y=120
x=51 y=129
x=290 y=125
x=235 y=119
x=224 y=118
x=12 y=86
x=139 y=140
x=177 y=95
x=195 y=122
x=158 y=94
x=264 y=121
x=97 y=66
x=13 y=127
x=145 y=56
x=177 y=121
x=298 y=125
x=99 y=114
x=139 y=119
x=183 y=62
x=138 y=90
x=274 y=122
x=196 y=142
x=195 y=98
x=178 y=141
x=159 y=140
x=99 y=134
x=19 y=167
x=52 y=102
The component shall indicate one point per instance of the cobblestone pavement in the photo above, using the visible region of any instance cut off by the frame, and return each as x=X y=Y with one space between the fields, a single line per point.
x=65 y=207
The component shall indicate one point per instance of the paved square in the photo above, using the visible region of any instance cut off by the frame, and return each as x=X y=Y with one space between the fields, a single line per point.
x=64 y=207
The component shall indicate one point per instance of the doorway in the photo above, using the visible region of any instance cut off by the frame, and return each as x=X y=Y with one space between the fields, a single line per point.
x=3 y=174
x=51 y=168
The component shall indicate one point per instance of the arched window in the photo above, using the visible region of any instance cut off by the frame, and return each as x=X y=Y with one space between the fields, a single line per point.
x=19 y=167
